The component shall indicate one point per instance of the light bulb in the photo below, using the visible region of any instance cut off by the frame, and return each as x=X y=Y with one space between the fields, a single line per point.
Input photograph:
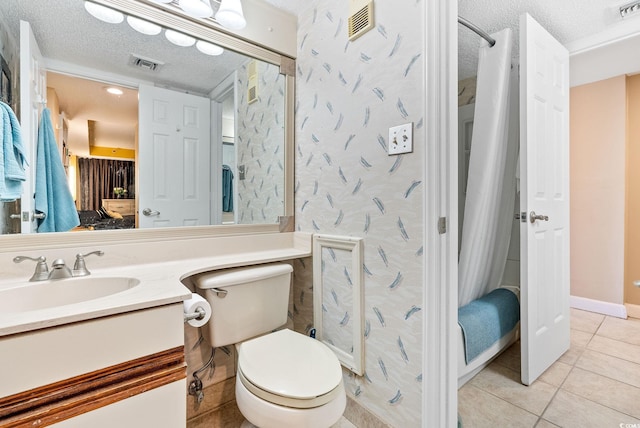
x=230 y=15
x=114 y=91
x=104 y=13
x=209 y=48
x=179 y=39
x=196 y=8
x=144 y=27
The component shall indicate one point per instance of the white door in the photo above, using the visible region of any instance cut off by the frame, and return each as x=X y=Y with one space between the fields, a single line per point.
x=174 y=158
x=33 y=95
x=544 y=165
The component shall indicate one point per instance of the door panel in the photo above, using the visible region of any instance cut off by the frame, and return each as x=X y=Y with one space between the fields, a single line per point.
x=174 y=159
x=544 y=164
x=33 y=95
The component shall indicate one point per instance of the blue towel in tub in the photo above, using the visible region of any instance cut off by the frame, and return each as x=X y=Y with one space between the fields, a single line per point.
x=485 y=320
x=12 y=156
x=53 y=197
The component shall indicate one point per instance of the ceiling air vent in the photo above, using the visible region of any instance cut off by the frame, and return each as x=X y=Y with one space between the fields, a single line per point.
x=145 y=63
x=360 y=17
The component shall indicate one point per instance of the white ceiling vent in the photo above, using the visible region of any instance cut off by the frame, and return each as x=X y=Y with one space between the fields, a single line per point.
x=145 y=63
x=360 y=17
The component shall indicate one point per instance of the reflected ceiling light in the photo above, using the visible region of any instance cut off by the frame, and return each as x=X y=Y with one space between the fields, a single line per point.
x=104 y=13
x=196 y=8
x=179 y=39
x=114 y=91
x=144 y=27
x=230 y=15
x=628 y=9
x=209 y=48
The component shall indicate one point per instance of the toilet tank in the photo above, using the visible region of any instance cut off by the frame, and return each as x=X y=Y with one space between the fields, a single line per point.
x=245 y=302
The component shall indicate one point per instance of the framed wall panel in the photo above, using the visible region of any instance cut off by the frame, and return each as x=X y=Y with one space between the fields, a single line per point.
x=338 y=297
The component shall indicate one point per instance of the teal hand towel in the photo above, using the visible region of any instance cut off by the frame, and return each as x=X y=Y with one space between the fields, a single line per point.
x=13 y=160
x=485 y=320
x=53 y=197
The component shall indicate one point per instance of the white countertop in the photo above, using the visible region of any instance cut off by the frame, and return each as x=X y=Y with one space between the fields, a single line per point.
x=160 y=284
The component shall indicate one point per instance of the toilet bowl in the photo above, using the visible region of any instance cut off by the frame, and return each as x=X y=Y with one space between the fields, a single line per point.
x=284 y=379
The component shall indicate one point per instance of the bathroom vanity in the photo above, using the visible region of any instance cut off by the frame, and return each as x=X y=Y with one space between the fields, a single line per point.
x=107 y=349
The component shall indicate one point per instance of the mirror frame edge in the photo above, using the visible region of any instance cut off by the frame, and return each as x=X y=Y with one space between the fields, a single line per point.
x=207 y=32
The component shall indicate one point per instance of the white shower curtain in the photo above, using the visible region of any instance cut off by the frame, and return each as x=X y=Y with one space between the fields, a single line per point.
x=489 y=204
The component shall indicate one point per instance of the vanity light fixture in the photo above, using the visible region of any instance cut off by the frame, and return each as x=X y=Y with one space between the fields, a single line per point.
x=209 y=48
x=230 y=15
x=233 y=10
x=629 y=9
x=104 y=13
x=143 y=26
x=179 y=39
x=196 y=8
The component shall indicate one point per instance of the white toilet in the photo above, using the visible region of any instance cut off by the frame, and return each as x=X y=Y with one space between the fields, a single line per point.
x=284 y=379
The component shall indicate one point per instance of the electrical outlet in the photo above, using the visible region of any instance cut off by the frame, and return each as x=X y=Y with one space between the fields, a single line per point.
x=401 y=139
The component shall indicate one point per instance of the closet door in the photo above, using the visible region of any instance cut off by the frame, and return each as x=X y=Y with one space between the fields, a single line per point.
x=33 y=96
x=544 y=198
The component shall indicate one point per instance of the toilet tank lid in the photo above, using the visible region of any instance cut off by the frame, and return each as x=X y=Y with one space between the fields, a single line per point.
x=235 y=276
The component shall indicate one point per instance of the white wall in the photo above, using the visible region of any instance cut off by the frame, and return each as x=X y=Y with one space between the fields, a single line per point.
x=348 y=95
x=598 y=122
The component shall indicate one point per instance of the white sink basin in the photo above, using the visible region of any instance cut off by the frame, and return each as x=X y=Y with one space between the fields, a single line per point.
x=33 y=296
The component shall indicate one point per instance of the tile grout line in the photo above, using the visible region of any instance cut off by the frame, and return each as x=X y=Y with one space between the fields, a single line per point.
x=573 y=365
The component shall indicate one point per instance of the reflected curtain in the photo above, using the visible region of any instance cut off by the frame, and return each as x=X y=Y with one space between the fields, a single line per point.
x=491 y=180
x=98 y=177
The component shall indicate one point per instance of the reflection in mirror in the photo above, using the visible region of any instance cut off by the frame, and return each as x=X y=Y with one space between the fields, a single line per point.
x=338 y=297
x=204 y=132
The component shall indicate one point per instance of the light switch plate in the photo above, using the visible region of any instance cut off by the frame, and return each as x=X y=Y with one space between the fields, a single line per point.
x=401 y=139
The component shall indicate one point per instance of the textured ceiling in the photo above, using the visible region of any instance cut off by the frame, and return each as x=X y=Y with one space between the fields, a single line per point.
x=66 y=32
x=566 y=20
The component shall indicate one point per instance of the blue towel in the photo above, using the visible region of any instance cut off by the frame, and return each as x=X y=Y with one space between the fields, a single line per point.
x=13 y=159
x=485 y=320
x=227 y=189
x=53 y=197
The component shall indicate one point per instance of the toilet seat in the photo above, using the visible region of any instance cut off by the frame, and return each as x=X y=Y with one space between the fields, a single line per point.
x=289 y=369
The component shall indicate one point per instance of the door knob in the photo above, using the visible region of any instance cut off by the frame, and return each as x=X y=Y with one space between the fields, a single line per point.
x=533 y=217
x=148 y=212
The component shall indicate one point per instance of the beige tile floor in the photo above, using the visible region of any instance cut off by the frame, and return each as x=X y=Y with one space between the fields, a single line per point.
x=595 y=384
x=343 y=423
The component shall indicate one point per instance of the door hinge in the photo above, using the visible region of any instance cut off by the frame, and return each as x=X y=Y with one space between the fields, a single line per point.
x=442 y=225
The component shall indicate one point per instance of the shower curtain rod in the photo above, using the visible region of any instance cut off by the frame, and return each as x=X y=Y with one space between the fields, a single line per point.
x=477 y=30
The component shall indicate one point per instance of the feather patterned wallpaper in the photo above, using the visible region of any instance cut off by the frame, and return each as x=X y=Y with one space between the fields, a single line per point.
x=347 y=96
x=259 y=145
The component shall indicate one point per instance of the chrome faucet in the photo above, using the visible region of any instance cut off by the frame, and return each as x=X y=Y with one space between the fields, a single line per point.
x=42 y=270
x=59 y=269
x=80 y=268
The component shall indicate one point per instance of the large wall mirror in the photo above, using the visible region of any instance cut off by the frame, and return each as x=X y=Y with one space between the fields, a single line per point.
x=198 y=135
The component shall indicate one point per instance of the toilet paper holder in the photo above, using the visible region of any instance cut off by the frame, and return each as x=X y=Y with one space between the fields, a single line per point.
x=197 y=315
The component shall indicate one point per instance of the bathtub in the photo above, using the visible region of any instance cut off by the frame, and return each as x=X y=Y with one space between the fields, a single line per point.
x=468 y=371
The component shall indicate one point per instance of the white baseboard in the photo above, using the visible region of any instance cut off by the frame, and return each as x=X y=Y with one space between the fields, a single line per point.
x=598 y=306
